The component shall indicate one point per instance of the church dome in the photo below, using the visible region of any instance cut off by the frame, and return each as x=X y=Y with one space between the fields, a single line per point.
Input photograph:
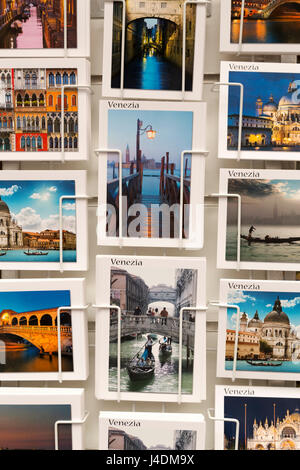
x=4 y=207
x=270 y=107
x=277 y=315
x=288 y=99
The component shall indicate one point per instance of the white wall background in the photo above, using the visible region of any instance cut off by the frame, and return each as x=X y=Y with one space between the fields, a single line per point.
x=212 y=64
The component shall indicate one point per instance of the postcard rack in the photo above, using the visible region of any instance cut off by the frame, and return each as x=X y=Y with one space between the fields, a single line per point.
x=205 y=3
x=200 y=309
x=72 y=422
x=227 y=420
x=98 y=152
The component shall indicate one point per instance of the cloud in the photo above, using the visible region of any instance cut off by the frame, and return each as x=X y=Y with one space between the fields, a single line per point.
x=238 y=296
x=291 y=302
x=269 y=305
x=69 y=206
x=251 y=188
x=31 y=221
x=42 y=197
x=9 y=191
x=53 y=189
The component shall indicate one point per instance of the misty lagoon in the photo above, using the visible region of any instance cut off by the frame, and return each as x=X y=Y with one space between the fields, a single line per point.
x=263 y=252
x=165 y=379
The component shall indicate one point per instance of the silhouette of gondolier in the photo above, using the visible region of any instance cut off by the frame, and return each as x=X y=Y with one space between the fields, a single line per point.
x=251 y=230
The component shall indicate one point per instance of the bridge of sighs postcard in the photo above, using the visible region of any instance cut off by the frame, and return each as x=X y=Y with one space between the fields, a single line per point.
x=146 y=342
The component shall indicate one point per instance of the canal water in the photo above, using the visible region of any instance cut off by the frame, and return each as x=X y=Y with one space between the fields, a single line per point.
x=16 y=256
x=165 y=379
x=31 y=36
x=29 y=360
x=152 y=73
x=267 y=31
x=287 y=366
x=261 y=252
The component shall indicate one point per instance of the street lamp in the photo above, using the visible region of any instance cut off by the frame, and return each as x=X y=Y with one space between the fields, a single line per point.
x=151 y=134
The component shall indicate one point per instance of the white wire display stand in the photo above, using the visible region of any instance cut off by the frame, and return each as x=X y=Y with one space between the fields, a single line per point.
x=75 y=422
x=227 y=420
x=202 y=309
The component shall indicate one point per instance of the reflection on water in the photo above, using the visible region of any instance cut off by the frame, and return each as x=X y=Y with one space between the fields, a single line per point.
x=267 y=31
x=29 y=360
x=165 y=379
x=262 y=252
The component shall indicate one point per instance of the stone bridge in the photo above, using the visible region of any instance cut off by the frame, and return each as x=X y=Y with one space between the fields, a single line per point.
x=42 y=337
x=162 y=293
x=132 y=324
x=271 y=7
x=171 y=10
x=39 y=327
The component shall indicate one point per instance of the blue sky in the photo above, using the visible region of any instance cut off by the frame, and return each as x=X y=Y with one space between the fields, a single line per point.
x=263 y=302
x=35 y=204
x=258 y=85
x=174 y=132
x=27 y=301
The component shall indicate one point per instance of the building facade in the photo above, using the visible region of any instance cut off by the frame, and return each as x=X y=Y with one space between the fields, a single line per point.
x=120 y=440
x=7 y=126
x=128 y=291
x=49 y=240
x=10 y=231
x=284 y=435
x=186 y=286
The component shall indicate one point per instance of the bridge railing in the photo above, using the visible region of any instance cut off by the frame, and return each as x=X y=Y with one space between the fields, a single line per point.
x=144 y=320
x=37 y=329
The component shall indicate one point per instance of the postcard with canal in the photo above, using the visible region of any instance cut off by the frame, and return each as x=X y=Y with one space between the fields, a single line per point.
x=267 y=333
x=153 y=341
x=162 y=55
x=151 y=184
x=260 y=26
x=45 y=28
x=268 y=236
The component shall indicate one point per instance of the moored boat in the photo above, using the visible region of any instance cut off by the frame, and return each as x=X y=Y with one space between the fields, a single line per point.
x=264 y=363
x=35 y=253
x=270 y=239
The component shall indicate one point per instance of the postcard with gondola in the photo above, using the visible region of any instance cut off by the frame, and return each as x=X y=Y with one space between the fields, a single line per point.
x=29 y=417
x=44 y=28
x=268 y=418
x=267 y=127
x=265 y=26
x=33 y=313
x=263 y=342
x=269 y=236
x=151 y=431
x=42 y=224
x=36 y=123
x=153 y=49
x=158 y=178
x=151 y=343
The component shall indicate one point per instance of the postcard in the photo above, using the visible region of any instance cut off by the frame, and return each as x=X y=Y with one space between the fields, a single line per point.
x=45 y=28
x=30 y=236
x=268 y=27
x=162 y=183
x=151 y=293
x=28 y=417
x=31 y=109
x=269 y=418
x=153 y=50
x=271 y=111
x=29 y=332
x=269 y=229
x=151 y=431
x=268 y=335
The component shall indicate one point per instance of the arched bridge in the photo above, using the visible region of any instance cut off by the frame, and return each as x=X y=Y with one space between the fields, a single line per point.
x=162 y=293
x=171 y=10
x=271 y=7
x=132 y=324
x=38 y=327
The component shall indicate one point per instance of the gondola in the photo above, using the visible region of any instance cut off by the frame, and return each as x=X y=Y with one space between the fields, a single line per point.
x=144 y=372
x=264 y=364
x=3 y=253
x=165 y=350
x=35 y=253
x=270 y=239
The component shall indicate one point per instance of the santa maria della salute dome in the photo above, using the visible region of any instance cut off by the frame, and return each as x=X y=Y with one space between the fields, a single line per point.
x=10 y=232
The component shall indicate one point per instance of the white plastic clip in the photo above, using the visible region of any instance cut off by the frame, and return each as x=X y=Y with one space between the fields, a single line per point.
x=227 y=420
x=73 y=421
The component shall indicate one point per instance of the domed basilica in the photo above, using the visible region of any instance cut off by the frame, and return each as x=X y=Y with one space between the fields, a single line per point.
x=10 y=232
x=275 y=330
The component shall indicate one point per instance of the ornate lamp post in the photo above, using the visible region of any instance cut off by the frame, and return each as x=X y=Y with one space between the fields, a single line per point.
x=151 y=133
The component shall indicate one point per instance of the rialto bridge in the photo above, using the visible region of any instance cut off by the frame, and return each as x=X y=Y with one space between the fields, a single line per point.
x=272 y=6
x=38 y=327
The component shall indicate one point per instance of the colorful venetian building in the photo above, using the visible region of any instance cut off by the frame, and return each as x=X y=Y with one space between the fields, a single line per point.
x=30 y=110
x=57 y=78
x=52 y=15
x=7 y=137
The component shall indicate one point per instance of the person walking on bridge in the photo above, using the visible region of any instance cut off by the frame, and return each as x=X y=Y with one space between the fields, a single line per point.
x=164 y=314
